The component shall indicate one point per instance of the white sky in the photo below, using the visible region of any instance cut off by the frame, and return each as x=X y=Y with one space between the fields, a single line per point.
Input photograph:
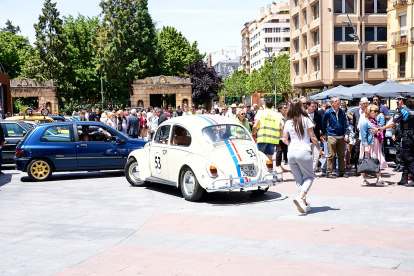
x=214 y=24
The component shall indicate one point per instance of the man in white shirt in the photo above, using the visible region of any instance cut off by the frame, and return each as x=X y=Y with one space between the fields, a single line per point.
x=232 y=112
x=154 y=121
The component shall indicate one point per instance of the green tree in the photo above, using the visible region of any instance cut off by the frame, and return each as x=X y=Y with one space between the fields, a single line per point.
x=11 y=28
x=50 y=60
x=14 y=51
x=80 y=33
x=236 y=86
x=178 y=52
x=130 y=48
x=267 y=74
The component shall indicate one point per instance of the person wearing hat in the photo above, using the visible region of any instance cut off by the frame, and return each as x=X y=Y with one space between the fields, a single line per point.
x=232 y=113
x=405 y=117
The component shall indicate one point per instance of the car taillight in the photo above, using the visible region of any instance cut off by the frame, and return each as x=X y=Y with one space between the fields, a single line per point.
x=19 y=153
x=269 y=165
x=213 y=171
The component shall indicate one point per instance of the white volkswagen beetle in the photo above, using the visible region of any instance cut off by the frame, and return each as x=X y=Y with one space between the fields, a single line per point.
x=202 y=153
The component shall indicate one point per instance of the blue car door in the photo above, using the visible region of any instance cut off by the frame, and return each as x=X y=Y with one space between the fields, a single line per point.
x=98 y=147
x=58 y=144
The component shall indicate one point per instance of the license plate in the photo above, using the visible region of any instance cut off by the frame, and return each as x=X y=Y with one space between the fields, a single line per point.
x=393 y=151
x=247 y=170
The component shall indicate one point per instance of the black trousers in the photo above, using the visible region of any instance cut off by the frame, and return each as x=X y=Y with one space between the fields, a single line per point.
x=408 y=157
x=281 y=151
x=399 y=153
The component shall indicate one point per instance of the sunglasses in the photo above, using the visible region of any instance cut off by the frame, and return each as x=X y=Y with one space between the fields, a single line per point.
x=376 y=111
x=242 y=114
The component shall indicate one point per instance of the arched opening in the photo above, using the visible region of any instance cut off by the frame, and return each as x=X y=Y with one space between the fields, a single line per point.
x=140 y=103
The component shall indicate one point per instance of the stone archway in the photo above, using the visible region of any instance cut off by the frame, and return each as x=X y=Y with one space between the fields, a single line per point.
x=143 y=88
x=46 y=92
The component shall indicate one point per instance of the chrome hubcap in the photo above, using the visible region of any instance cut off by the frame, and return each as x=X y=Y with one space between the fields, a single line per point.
x=134 y=172
x=189 y=183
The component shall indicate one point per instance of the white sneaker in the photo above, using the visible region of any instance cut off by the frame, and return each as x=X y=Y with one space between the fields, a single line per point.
x=363 y=182
x=381 y=183
x=300 y=205
x=307 y=208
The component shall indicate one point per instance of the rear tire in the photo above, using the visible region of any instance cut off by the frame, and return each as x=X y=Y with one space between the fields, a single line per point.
x=191 y=190
x=132 y=173
x=39 y=170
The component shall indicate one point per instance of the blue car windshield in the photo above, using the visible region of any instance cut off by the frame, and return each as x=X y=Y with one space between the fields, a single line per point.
x=217 y=133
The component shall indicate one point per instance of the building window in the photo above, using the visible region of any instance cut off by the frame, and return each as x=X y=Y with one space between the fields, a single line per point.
x=315 y=61
x=286 y=39
x=296 y=22
x=375 y=6
x=376 y=33
x=342 y=33
x=346 y=61
x=315 y=11
x=287 y=30
x=296 y=45
x=305 y=17
x=297 y=73
x=376 y=61
x=305 y=66
x=315 y=35
x=296 y=2
x=305 y=42
x=344 y=6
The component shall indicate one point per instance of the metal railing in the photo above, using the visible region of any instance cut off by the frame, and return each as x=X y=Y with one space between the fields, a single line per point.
x=401 y=71
x=397 y=3
x=399 y=38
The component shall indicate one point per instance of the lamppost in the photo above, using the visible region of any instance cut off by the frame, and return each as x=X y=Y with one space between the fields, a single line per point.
x=355 y=35
x=276 y=74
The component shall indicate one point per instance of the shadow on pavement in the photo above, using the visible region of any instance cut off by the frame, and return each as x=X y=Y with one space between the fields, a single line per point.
x=6 y=178
x=322 y=209
x=78 y=175
x=220 y=198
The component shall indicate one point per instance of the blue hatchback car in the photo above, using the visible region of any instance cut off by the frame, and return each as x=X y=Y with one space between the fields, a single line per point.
x=73 y=146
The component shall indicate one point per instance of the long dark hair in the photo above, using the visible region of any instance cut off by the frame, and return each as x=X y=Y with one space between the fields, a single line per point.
x=296 y=112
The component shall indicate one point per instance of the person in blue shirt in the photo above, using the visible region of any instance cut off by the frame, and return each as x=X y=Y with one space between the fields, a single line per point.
x=405 y=117
x=335 y=126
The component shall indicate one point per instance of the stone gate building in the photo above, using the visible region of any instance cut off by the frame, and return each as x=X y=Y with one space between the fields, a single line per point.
x=46 y=92
x=161 y=86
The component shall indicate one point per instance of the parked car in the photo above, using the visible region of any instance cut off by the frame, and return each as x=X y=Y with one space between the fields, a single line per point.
x=57 y=119
x=14 y=131
x=36 y=118
x=71 y=119
x=202 y=153
x=73 y=146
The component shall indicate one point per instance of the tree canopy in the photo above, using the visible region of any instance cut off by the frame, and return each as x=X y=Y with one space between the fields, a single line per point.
x=129 y=48
x=14 y=51
x=11 y=28
x=177 y=51
x=206 y=82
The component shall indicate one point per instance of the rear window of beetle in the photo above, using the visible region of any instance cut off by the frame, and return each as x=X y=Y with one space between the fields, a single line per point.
x=58 y=134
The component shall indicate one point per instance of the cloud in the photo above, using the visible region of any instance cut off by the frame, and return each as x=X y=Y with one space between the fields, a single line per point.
x=201 y=11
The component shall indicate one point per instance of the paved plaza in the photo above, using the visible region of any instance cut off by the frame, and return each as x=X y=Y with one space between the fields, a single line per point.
x=97 y=224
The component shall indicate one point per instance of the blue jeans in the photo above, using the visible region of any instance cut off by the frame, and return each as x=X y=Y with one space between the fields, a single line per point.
x=1 y=157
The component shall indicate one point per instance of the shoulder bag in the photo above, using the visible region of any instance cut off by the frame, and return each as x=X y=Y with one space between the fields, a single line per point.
x=368 y=165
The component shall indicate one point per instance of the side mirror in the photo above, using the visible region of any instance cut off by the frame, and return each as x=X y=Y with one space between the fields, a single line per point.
x=120 y=141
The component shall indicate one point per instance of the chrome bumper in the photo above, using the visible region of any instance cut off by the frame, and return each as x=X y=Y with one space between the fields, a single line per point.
x=270 y=179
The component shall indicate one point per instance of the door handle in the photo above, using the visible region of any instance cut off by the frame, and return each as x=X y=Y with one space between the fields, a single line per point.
x=84 y=145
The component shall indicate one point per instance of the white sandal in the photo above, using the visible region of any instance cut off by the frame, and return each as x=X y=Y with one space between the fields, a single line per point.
x=363 y=182
x=381 y=183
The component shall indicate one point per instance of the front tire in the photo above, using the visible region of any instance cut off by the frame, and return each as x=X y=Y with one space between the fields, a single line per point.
x=191 y=190
x=132 y=173
x=39 y=170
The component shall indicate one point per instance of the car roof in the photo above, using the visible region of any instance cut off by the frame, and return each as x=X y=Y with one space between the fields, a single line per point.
x=201 y=121
x=28 y=118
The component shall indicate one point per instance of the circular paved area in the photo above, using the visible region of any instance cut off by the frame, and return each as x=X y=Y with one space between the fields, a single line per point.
x=96 y=223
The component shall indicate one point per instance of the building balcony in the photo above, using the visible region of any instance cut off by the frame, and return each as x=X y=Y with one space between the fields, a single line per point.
x=399 y=3
x=401 y=71
x=399 y=39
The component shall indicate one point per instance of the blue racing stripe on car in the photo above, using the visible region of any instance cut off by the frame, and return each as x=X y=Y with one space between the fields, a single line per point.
x=233 y=155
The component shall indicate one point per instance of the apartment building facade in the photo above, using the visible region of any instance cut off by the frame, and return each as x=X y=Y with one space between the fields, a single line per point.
x=322 y=52
x=401 y=40
x=245 y=57
x=271 y=30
